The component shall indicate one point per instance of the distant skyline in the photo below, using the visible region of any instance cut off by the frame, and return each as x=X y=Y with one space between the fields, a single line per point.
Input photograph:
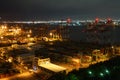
x=58 y=9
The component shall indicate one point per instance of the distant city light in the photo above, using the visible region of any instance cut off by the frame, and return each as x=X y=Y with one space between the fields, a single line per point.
x=97 y=20
x=69 y=20
x=109 y=19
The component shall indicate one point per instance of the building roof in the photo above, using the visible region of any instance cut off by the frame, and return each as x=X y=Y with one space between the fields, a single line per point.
x=52 y=67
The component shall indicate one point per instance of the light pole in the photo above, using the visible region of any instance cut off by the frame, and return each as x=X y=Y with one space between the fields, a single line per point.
x=113 y=50
x=51 y=35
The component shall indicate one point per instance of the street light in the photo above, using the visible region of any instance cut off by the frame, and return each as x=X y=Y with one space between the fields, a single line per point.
x=2 y=37
x=113 y=50
x=90 y=72
x=101 y=74
x=107 y=71
x=51 y=34
x=28 y=35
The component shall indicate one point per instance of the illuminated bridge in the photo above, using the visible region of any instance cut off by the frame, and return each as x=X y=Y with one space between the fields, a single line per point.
x=79 y=22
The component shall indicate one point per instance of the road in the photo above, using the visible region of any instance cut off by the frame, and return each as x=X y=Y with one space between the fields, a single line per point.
x=22 y=76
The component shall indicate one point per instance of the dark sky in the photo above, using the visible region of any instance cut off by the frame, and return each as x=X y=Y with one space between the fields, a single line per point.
x=58 y=9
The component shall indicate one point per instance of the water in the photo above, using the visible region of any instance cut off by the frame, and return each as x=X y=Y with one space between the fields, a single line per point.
x=111 y=36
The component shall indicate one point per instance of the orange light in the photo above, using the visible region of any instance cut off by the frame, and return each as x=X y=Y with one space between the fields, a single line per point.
x=76 y=60
x=51 y=34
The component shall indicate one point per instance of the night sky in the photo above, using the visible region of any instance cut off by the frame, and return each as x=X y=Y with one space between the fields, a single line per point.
x=58 y=9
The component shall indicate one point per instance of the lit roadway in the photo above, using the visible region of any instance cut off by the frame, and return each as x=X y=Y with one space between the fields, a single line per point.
x=24 y=76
